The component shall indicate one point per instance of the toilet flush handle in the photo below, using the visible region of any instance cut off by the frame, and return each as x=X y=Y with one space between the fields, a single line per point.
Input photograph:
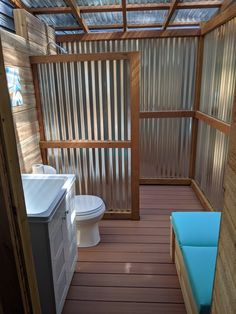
x=66 y=213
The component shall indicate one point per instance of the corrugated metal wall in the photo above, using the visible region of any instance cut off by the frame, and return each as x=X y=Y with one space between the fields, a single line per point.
x=90 y=101
x=210 y=163
x=217 y=93
x=167 y=68
x=86 y=100
x=100 y=171
x=219 y=75
x=167 y=83
x=165 y=146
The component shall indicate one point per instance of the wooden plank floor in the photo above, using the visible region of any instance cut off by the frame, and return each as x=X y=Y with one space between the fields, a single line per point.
x=130 y=271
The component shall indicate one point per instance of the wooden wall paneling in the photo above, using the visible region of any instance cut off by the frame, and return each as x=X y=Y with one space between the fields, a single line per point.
x=16 y=51
x=196 y=106
x=39 y=112
x=224 y=300
x=34 y=30
x=16 y=253
x=134 y=99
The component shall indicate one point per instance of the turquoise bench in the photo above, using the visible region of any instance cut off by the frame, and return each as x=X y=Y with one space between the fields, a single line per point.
x=194 y=249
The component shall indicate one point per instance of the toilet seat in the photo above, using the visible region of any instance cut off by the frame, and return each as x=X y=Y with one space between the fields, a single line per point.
x=86 y=205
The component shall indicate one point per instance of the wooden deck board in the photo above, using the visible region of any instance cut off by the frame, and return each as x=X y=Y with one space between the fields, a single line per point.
x=130 y=271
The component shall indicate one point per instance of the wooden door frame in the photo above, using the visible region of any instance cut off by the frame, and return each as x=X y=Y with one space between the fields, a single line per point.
x=18 y=285
x=133 y=144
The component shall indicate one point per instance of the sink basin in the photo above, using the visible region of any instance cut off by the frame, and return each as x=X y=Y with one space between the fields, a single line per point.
x=43 y=192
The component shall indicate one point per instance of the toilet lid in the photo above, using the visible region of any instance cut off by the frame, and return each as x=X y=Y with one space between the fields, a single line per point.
x=87 y=204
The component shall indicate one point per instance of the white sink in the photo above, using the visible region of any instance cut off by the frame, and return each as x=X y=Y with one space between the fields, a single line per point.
x=43 y=192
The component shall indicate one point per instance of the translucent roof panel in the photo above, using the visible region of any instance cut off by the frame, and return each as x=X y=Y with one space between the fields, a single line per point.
x=58 y=19
x=193 y=15
x=97 y=2
x=146 y=17
x=147 y=1
x=44 y=3
x=104 y=18
x=198 y=0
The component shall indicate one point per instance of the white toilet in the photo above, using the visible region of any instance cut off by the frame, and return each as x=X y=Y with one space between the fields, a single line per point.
x=89 y=211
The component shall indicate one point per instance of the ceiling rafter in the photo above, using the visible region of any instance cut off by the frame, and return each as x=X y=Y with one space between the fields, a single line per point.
x=121 y=26
x=124 y=13
x=76 y=12
x=129 y=7
x=18 y=4
x=171 y=11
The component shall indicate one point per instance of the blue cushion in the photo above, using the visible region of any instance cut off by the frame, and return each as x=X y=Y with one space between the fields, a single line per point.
x=200 y=263
x=196 y=228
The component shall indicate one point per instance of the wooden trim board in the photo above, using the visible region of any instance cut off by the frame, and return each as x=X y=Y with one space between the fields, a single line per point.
x=164 y=181
x=219 y=19
x=201 y=196
x=186 y=289
x=117 y=216
x=215 y=123
x=196 y=106
x=130 y=35
x=166 y=114
x=83 y=57
x=134 y=100
x=84 y=144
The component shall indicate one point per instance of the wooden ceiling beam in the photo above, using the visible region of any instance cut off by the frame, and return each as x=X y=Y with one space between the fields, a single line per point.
x=173 y=6
x=219 y=19
x=129 y=26
x=124 y=13
x=19 y=4
x=76 y=12
x=226 y=4
x=130 y=35
x=129 y=7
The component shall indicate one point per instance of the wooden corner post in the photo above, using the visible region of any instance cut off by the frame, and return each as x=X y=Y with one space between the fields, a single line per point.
x=196 y=106
x=134 y=99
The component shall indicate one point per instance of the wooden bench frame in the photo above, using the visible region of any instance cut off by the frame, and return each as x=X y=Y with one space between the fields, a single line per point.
x=177 y=258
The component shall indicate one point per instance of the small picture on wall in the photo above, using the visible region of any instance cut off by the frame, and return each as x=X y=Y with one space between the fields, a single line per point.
x=14 y=86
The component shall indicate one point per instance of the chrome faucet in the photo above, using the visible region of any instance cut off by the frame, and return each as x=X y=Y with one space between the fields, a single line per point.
x=62 y=50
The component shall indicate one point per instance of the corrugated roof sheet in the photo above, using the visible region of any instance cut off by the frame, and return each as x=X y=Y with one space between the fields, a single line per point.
x=146 y=17
x=97 y=2
x=193 y=15
x=58 y=19
x=104 y=18
x=44 y=3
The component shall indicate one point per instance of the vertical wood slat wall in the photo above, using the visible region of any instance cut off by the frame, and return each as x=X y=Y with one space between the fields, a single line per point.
x=131 y=143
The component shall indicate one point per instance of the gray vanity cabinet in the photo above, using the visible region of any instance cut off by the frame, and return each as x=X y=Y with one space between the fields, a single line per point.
x=55 y=253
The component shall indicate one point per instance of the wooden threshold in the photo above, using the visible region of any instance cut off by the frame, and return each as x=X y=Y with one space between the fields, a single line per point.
x=119 y=216
x=165 y=181
x=201 y=196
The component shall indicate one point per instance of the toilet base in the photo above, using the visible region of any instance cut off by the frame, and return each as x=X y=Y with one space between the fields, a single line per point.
x=88 y=235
